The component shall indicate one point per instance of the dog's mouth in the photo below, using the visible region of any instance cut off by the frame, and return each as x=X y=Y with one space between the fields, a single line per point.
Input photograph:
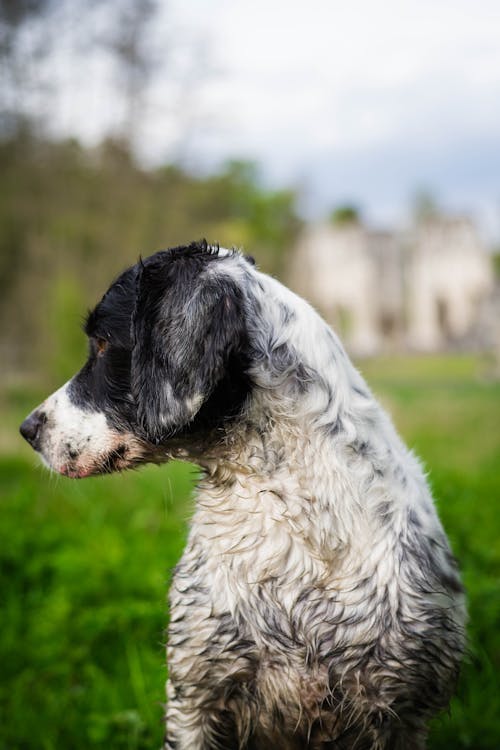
x=73 y=472
x=118 y=459
x=79 y=468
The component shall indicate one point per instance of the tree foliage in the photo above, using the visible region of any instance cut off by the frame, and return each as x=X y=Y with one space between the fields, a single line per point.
x=71 y=219
x=345 y=214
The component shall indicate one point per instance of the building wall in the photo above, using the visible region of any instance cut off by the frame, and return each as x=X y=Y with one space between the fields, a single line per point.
x=449 y=276
x=335 y=271
x=383 y=290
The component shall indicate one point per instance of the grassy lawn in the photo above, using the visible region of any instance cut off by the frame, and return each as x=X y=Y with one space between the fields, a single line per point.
x=85 y=569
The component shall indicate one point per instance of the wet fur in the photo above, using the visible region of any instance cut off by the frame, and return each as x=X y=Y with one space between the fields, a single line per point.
x=317 y=603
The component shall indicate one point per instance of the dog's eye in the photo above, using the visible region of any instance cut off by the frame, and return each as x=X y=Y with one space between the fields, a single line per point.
x=102 y=345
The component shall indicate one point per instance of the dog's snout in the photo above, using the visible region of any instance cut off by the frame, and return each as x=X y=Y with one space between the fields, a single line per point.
x=31 y=428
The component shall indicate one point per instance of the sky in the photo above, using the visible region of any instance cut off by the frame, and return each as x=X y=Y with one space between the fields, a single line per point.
x=360 y=101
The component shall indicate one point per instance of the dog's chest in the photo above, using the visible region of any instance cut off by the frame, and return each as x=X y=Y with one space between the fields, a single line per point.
x=277 y=635
x=261 y=571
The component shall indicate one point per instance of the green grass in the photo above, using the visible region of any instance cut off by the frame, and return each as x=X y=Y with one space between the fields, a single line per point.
x=85 y=568
x=450 y=416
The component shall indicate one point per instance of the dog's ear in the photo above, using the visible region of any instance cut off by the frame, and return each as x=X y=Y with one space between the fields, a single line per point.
x=187 y=322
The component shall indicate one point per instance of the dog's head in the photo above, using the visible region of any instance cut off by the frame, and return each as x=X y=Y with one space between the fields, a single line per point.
x=182 y=347
x=168 y=365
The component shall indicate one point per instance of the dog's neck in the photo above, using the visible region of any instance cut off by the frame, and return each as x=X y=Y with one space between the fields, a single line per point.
x=350 y=437
x=261 y=489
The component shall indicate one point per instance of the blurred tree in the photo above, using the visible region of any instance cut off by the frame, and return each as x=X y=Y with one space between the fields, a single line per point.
x=23 y=42
x=425 y=206
x=133 y=38
x=72 y=218
x=345 y=214
x=496 y=263
x=129 y=40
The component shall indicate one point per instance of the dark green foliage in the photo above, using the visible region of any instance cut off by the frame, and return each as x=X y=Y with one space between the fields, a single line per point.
x=496 y=264
x=345 y=215
x=84 y=569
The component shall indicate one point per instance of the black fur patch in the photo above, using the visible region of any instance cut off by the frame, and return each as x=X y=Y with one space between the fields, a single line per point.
x=189 y=336
x=175 y=359
x=103 y=384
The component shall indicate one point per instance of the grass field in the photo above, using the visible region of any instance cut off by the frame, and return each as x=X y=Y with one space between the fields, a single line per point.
x=85 y=569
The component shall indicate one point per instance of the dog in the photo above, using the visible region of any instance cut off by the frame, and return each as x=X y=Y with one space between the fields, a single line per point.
x=317 y=603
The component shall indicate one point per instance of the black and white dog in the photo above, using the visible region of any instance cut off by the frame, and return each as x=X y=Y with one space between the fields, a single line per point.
x=317 y=603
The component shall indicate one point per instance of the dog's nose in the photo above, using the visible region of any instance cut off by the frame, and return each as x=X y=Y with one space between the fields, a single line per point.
x=31 y=428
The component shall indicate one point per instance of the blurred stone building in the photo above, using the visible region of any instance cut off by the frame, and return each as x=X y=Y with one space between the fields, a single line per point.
x=383 y=291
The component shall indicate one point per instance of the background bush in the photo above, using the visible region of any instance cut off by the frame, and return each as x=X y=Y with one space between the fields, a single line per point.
x=71 y=219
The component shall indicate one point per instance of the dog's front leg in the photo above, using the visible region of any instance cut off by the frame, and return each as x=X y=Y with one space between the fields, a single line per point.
x=192 y=725
x=203 y=658
x=184 y=722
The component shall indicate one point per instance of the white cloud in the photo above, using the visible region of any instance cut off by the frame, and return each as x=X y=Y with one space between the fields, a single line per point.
x=324 y=87
x=313 y=68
